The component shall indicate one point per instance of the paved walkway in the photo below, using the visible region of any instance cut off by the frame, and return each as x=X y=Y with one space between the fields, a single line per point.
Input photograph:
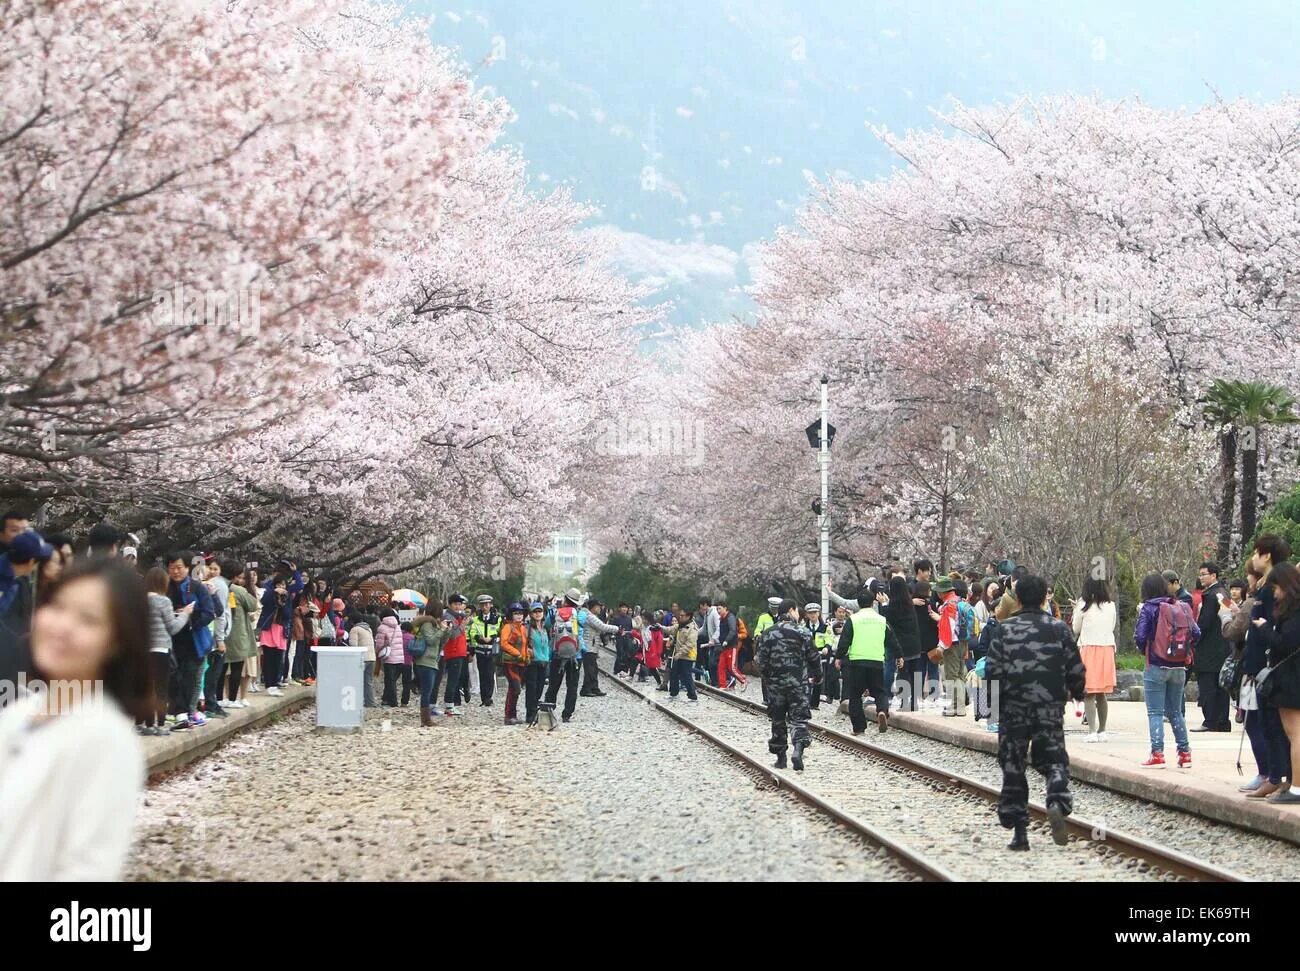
x=1208 y=788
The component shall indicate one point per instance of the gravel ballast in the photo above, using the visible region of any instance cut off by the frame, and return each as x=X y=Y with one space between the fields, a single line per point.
x=621 y=793
x=1252 y=855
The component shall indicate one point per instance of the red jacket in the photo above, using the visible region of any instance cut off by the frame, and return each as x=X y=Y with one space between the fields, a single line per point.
x=654 y=652
x=456 y=645
x=948 y=621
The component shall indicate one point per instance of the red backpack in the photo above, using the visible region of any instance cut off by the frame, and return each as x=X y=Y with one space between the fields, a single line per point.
x=1172 y=644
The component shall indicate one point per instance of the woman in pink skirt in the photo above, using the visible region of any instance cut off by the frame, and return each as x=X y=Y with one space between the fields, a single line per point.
x=1094 y=629
x=273 y=635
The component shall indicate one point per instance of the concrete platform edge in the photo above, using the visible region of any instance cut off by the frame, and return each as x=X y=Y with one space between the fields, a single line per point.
x=181 y=748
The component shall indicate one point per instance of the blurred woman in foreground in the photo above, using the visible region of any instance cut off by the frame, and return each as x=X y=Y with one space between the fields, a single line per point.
x=71 y=767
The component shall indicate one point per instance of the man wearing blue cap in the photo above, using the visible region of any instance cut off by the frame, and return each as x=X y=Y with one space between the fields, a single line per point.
x=18 y=568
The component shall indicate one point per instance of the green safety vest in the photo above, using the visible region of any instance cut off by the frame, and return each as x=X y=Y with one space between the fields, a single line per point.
x=868 y=636
x=479 y=627
x=763 y=623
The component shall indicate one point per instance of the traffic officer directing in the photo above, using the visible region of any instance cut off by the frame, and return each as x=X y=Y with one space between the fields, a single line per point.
x=1036 y=664
x=485 y=639
x=822 y=641
x=765 y=620
x=864 y=642
x=785 y=654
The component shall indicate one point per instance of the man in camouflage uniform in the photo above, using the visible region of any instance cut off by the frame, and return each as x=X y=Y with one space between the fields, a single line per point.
x=1036 y=665
x=785 y=655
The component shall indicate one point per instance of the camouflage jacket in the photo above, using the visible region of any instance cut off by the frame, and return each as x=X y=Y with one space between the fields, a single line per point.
x=785 y=653
x=1036 y=665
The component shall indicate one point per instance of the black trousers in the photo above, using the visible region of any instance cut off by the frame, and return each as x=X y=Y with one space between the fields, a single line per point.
x=234 y=675
x=566 y=670
x=860 y=676
x=914 y=675
x=487 y=676
x=1213 y=700
x=160 y=676
x=534 y=678
x=590 y=674
x=682 y=675
x=453 y=670
x=212 y=680
x=271 y=663
x=392 y=674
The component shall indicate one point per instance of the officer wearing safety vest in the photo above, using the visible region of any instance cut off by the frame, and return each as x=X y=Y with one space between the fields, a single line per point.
x=861 y=656
x=485 y=638
x=822 y=640
x=765 y=620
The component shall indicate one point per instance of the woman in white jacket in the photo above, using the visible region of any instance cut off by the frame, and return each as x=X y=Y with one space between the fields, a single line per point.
x=1094 y=630
x=71 y=767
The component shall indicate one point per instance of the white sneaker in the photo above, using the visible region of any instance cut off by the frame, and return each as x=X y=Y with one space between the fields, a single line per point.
x=227 y=704
x=1102 y=737
x=275 y=692
x=253 y=689
x=1092 y=737
x=239 y=704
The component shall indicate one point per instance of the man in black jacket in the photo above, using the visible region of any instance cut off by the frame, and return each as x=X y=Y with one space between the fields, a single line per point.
x=1211 y=652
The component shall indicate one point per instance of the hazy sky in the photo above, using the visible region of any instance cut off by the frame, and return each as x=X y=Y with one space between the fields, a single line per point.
x=693 y=125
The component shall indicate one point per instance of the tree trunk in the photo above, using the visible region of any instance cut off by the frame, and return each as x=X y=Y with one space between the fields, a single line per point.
x=1228 y=495
x=1249 y=491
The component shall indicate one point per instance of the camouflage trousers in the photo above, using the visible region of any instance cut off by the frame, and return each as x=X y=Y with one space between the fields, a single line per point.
x=787 y=706
x=1044 y=743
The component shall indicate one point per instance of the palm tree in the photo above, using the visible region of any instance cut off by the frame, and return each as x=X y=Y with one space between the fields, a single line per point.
x=1254 y=405
x=1220 y=407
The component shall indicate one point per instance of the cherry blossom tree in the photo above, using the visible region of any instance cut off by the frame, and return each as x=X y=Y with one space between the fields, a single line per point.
x=941 y=300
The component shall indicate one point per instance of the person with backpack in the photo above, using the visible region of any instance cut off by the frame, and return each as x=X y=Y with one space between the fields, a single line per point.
x=566 y=648
x=1268 y=738
x=514 y=659
x=431 y=633
x=1279 y=690
x=1166 y=635
x=1093 y=622
x=390 y=649
x=728 y=642
x=952 y=641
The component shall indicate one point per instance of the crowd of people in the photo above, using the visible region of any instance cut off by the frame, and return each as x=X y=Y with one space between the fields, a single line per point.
x=168 y=647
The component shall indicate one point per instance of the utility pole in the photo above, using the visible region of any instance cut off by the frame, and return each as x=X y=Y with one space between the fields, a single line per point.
x=824 y=459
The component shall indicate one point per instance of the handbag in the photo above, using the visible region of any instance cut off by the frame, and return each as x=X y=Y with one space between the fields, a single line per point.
x=1227 y=673
x=1265 y=686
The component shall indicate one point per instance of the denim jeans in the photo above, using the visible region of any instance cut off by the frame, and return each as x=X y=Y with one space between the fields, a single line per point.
x=428 y=678
x=1163 y=688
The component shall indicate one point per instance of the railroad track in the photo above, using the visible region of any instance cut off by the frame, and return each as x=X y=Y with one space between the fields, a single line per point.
x=938 y=823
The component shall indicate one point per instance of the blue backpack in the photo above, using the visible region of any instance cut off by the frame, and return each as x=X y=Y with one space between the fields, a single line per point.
x=965 y=620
